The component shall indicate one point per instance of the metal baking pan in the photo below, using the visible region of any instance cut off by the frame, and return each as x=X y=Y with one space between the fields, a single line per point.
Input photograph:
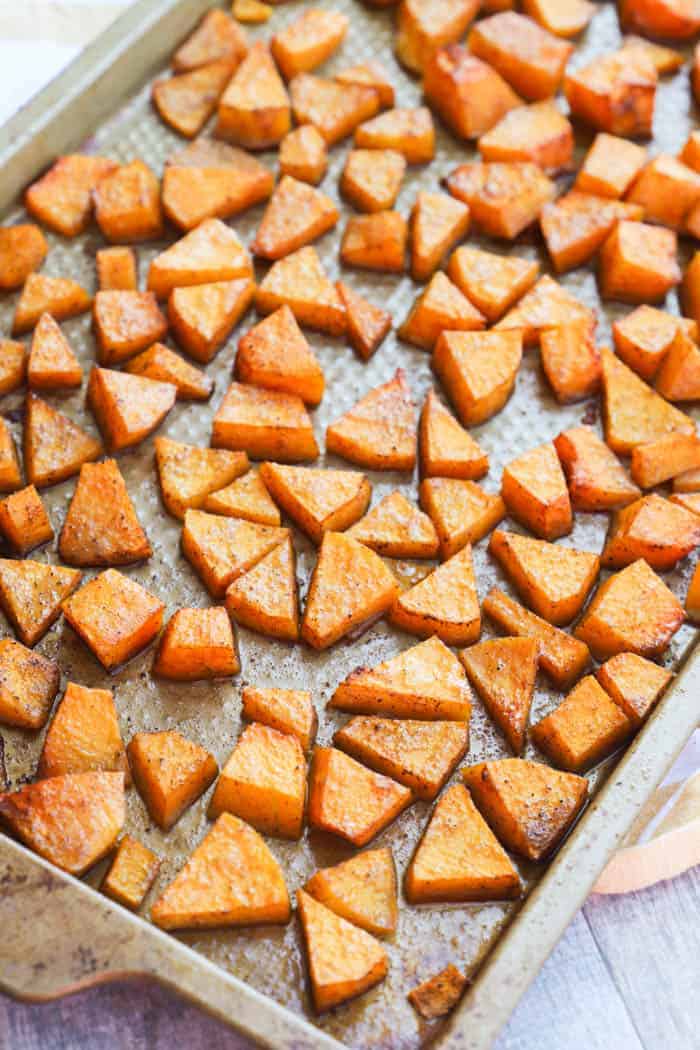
x=59 y=934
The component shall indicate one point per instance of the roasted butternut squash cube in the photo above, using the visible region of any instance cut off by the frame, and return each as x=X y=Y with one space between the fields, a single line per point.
x=492 y=282
x=127 y=407
x=361 y=889
x=478 y=371
x=672 y=19
x=468 y=94
x=561 y=17
x=539 y=133
x=197 y=644
x=584 y=729
x=530 y=58
x=300 y=281
x=267 y=424
x=265 y=599
x=440 y=308
x=286 y=710
x=222 y=549
x=318 y=501
x=438 y=222
x=664 y=459
x=31 y=594
x=24 y=522
x=644 y=337
x=23 y=249
x=126 y=323
x=55 y=447
x=13 y=365
x=509 y=198
x=379 y=431
x=59 y=296
x=375 y=242
x=188 y=474
x=424 y=26
x=211 y=252
x=439 y=994
x=247 y=498
x=369 y=74
x=445 y=603
x=101 y=526
x=10 y=472
x=276 y=355
x=296 y=215
x=170 y=773
x=667 y=190
x=367 y=324
x=688 y=482
x=216 y=38
x=303 y=154
x=652 y=528
x=503 y=672
x=408 y=131
x=161 y=363
x=610 y=166
x=253 y=11
x=596 y=478
x=335 y=110
x=28 y=684
x=212 y=180
x=127 y=204
x=203 y=316
x=131 y=874
x=678 y=378
x=571 y=362
x=62 y=198
x=534 y=489
x=638 y=263
x=186 y=101
x=635 y=684
x=116 y=269
x=308 y=41
x=396 y=528
x=371 y=179
x=547 y=305
x=615 y=93
x=575 y=226
x=83 y=735
x=460 y=510
x=254 y=111
x=447 y=450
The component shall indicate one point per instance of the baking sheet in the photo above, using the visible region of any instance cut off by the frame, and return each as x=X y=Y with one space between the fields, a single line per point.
x=430 y=937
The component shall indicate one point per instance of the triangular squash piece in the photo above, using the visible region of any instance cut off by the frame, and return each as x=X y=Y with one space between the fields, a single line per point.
x=254 y=110
x=421 y=755
x=596 y=478
x=503 y=672
x=231 y=879
x=478 y=371
x=159 y=362
x=212 y=188
x=438 y=222
x=447 y=450
x=379 y=432
x=554 y=580
x=188 y=474
x=317 y=500
x=209 y=253
x=459 y=858
x=445 y=603
x=678 y=379
x=287 y=710
x=344 y=961
x=492 y=282
x=127 y=408
x=535 y=492
x=410 y=131
x=585 y=728
x=334 y=608
x=218 y=37
x=170 y=772
x=349 y=800
x=361 y=890
x=460 y=511
x=529 y=805
x=203 y=316
x=635 y=684
x=300 y=281
x=59 y=296
x=72 y=821
x=197 y=644
x=369 y=74
x=424 y=682
x=52 y=364
x=101 y=526
x=10 y=472
x=186 y=101
x=84 y=735
x=652 y=528
x=246 y=498
x=275 y=354
x=267 y=424
x=372 y=178
x=28 y=684
x=334 y=109
x=308 y=41
x=367 y=324
x=438 y=995
x=571 y=362
x=396 y=528
x=55 y=447
x=265 y=599
x=62 y=198
x=222 y=549
x=440 y=308
x=31 y=594
x=303 y=154
x=634 y=414
x=296 y=215
x=547 y=305
x=689 y=500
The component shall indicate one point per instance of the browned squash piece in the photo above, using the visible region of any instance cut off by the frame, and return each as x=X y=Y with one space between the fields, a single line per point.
x=503 y=672
x=421 y=755
x=692 y=598
x=197 y=644
x=83 y=735
x=186 y=101
x=652 y=528
x=62 y=198
x=308 y=41
x=222 y=549
x=247 y=498
x=438 y=222
x=665 y=458
x=460 y=510
x=596 y=478
x=367 y=324
x=690 y=154
x=125 y=323
x=424 y=26
x=344 y=961
x=188 y=474
x=644 y=337
x=529 y=806
x=296 y=215
x=361 y=889
x=211 y=252
x=690 y=292
x=633 y=413
x=468 y=94
x=635 y=684
x=425 y=682
x=318 y=501
x=231 y=879
x=688 y=482
x=161 y=363
x=55 y=447
x=193 y=194
x=562 y=657
x=408 y=131
x=24 y=522
x=439 y=995
x=216 y=38
x=615 y=93
x=459 y=858
x=441 y=307
x=561 y=17
x=667 y=190
x=13 y=365
x=372 y=178
x=31 y=594
x=335 y=110
x=10 y=472
x=584 y=729
x=547 y=305
x=445 y=603
x=264 y=599
x=204 y=315
x=303 y=154
x=72 y=821
x=672 y=19
x=28 y=684
x=276 y=355
x=492 y=282
x=300 y=282
x=689 y=500
x=379 y=431
x=333 y=608
x=23 y=249
x=115 y=616
x=571 y=362
x=127 y=204
x=375 y=242
x=267 y=424
x=678 y=379
x=396 y=528
x=254 y=110
x=575 y=226
x=610 y=166
x=511 y=198
x=530 y=58
x=638 y=263
x=534 y=489
x=170 y=773
x=369 y=74
x=447 y=450
x=131 y=874
x=59 y=296
x=101 y=525
x=539 y=133
x=286 y=710
x=116 y=269
x=127 y=407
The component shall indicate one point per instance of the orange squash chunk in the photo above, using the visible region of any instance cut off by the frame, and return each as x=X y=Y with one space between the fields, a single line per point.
x=396 y=528
x=116 y=269
x=344 y=961
x=222 y=549
x=127 y=408
x=247 y=498
x=438 y=222
x=186 y=101
x=688 y=482
x=440 y=308
x=59 y=296
x=615 y=93
x=439 y=995
x=478 y=371
x=595 y=476
x=13 y=365
x=644 y=337
x=254 y=110
x=300 y=281
x=530 y=58
x=115 y=616
x=276 y=355
x=468 y=94
x=460 y=510
x=335 y=110
x=571 y=362
x=690 y=292
x=101 y=526
x=576 y=225
x=459 y=858
x=203 y=316
x=369 y=74
x=55 y=448
x=664 y=459
x=24 y=522
x=634 y=414
x=584 y=729
x=318 y=501
x=28 y=684
x=62 y=198
x=652 y=528
x=131 y=874
x=349 y=800
x=508 y=197
x=296 y=215
x=424 y=26
x=529 y=806
x=197 y=644
x=161 y=363
x=361 y=890
x=667 y=190
x=10 y=473
x=286 y=710
x=31 y=594
x=561 y=17
x=375 y=242
x=539 y=133
x=308 y=41
x=333 y=608
x=421 y=755
x=265 y=424
x=367 y=324
x=125 y=323
x=209 y=179
x=424 y=682
x=211 y=252
x=689 y=500
x=547 y=305
x=303 y=154
x=447 y=450
x=231 y=879
x=445 y=603
x=23 y=249
x=408 y=131
x=638 y=263
x=690 y=154
x=492 y=282
x=534 y=489
x=610 y=166
x=72 y=821
x=673 y=19
x=216 y=38
x=170 y=773
x=83 y=735
x=665 y=59
x=188 y=474
x=692 y=598
x=635 y=684
x=678 y=379
x=379 y=431
x=127 y=204
x=265 y=598
x=503 y=672
x=372 y=178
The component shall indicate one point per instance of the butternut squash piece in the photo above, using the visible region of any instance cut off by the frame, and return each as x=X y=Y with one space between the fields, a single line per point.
x=62 y=198
x=217 y=38
x=28 y=684
x=661 y=460
x=635 y=684
x=424 y=26
x=503 y=672
x=690 y=291
x=652 y=528
x=369 y=74
x=440 y=308
x=534 y=489
x=253 y=11
x=59 y=296
x=209 y=253
x=10 y=472
x=296 y=215
x=308 y=41
x=460 y=510
x=375 y=242
x=561 y=17
x=245 y=498
x=187 y=101
x=31 y=594
x=276 y=355
x=188 y=474
x=300 y=281
x=439 y=995
x=571 y=362
x=468 y=94
x=615 y=93
x=678 y=378
x=371 y=179
x=335 y=110
x=610 y=166
x=396 y=528
x=408 y=131
x=688 y=482
x=584 y=729
x=644 y=337
x=672 y=19
x=633 y=413
x=125 y=323
x=212 y=180
x=596 y=478
x=131 y=874
x=222 y=549
x=265 y=598
x=361 y=889
x=55 y=447
x=547 y=305
x=267 y=424
x=530 y=58
x=445 y=603
x=116 y=269
x=492 y=282
x=83 y=735
x=478 y=371
x=539 y=133
x=161 y=363
x=303 y=154
x=576 y=226
x=367 y=324
x=127 y=407
x=286 y=710
x=438 y=222
x=13 y=365
x=447 y=450
x=23 y=249
x=127 y=204
x=196 y=645
x=254 y=110
x=379 y=431
x=101 y=526
x=24 y=522
x=318 y=501
x=667 y=190
x=203 y=316
x=692 y=598
x=170 y=773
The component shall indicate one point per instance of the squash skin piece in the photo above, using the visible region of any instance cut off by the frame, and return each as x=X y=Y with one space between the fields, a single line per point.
x=295 y=215
x=438 y=223
x=596 y=479
x=584 y=729
x=478 y=371
x=101 y=526
x=439 y=995
x=459 y=858
x=445 y=603
x=127 y=204
x=127 y=408
x=267 y=424
x=424 y=26
x=494 y=283
x=31 y=593
x=318 y=501
x=264 y=782
x=303 y=154
x=469 y=95
x=300 y=281
x=131 y=874
x=447 y=450
x=217 y=38
x=24 y=521
x=203 y=316
x=59 y=296
x=116 y=270
x=335 y=110
x=286 y=710
x=275 y=354
x=349 y=800
x=265 y=598
x=222 y=549
x=503 y=672
x=539 y=133
x=367 y=324
x=531 y=59
x=83 y=736
x=652 y=528
x=72 y=821
x=460 y=511
x=546 y=305
x=186 y=101
x=395 y=528
x=23 y=249
x=409 y=131
x=115 y=617
x=635 y=684
x=13 y=365
x=534 y=489
x=308 y=41
x=197 y=644
x=440 y=308
x=28 y=684
x=10 y=473
x=615 y=93
x=361 y=889
x=161 y=363
x=254 y=111
x=665 y=458
x=638 y=263
x=372 y=178
x=576 y=225
x=369 y=74
x=245 y=498
x=644 y=337
x=209 y=253
x=375 y=242
x=126 y=323
x=378 y=432
x=170 y=773
x=187 y=474
x=571 y=362
x=678 y=379
x=610 y=166
x=62 y=198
